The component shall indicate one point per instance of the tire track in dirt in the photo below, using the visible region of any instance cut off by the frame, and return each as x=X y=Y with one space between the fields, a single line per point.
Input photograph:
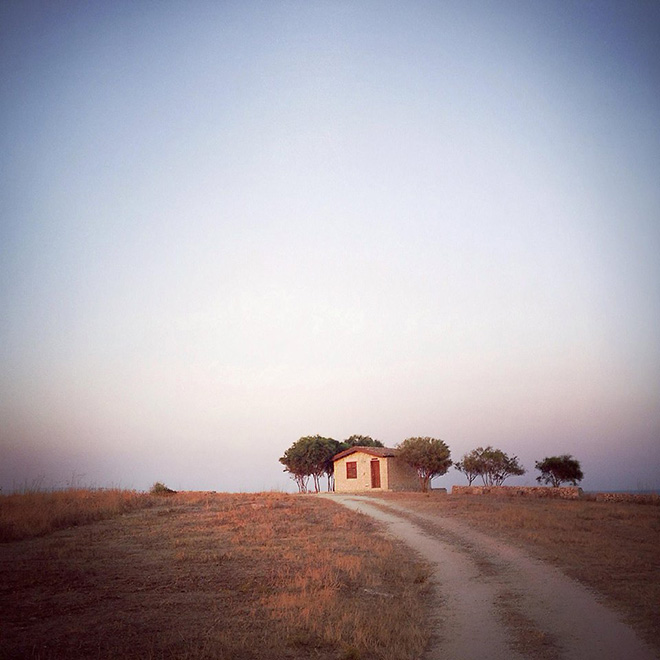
x=490 y=590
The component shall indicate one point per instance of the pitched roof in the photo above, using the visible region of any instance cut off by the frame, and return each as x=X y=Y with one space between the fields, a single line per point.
x=380 y=452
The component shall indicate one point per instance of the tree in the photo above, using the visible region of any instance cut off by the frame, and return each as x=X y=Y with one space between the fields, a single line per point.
x=498 y=467
x=361 y=441
x=429 y=456
x=310 y=456
x=492 y=465
x=296 y=462
x=469 y=466
x=332 y=449
x=556 y=470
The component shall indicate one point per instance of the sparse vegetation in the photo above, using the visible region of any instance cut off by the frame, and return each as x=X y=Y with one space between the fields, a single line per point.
x=35 y=513
x=201 y=575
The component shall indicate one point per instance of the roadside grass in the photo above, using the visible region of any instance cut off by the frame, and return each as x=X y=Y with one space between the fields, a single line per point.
x=204 y=575
x=612 y=547
x=35 y=513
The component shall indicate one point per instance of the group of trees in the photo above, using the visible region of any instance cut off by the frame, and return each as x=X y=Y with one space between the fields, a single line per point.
x=494 y=466
x=312 y=456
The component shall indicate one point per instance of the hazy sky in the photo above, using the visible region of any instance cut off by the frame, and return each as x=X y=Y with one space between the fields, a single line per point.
x=226 y=225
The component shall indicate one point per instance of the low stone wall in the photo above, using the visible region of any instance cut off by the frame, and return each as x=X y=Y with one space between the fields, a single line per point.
x=636 y=498
x=564 y=492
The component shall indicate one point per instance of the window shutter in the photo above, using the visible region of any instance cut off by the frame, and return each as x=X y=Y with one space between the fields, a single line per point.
x=351 y=469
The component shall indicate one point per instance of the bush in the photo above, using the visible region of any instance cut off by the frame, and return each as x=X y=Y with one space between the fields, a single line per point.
x=161 y=489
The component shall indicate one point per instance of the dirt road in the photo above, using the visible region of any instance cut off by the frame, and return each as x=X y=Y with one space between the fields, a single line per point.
x=496 y=602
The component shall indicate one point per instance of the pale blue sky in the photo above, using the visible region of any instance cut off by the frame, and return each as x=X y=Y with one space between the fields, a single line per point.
x=228 y=225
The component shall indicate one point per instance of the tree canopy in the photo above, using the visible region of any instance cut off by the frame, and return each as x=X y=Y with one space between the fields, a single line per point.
x=556 y=470
x=492 y=465
x=470 y=466
x=429 y=456
x=361 y=441
x=310 y=456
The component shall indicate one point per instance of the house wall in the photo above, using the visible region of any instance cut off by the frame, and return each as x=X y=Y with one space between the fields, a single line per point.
x=402 y=476
x=363 y=481
x=394 y=475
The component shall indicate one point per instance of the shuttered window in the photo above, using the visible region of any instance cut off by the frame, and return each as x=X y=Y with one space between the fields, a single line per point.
x=351 y=469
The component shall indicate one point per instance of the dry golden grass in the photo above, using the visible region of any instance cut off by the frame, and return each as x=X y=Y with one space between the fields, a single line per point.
x=612 y=547
x=35 y=513
x=201 y=575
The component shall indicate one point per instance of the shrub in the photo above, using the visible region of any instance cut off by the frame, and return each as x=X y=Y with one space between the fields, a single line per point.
x=161 y=489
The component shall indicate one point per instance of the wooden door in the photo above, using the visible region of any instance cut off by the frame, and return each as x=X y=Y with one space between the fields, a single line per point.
x=375 y=473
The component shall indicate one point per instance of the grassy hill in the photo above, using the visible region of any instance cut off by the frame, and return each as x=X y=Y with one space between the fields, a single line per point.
x=197 y=575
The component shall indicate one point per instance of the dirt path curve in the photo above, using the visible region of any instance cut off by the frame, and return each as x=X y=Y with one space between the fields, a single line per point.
x=497 y=602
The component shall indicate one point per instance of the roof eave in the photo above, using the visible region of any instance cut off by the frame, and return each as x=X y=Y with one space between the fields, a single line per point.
x=388 y=453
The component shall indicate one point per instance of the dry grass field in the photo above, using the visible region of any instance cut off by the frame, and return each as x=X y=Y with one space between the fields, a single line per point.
x=614 y=548
x=35 y=513
x=117 y=574
x=197 y=575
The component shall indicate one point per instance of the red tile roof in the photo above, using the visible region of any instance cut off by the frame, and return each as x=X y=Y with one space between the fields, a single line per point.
x=380 y=452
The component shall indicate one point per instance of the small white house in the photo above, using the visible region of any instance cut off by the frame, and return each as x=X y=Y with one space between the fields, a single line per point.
x=372 y=468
